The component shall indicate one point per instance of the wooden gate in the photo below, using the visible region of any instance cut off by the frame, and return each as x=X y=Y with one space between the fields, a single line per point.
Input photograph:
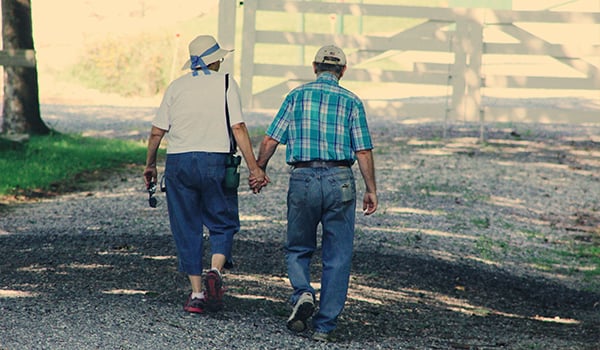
x=453 y=53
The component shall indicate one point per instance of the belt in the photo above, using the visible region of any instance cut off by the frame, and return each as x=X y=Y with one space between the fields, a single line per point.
x=322 y=164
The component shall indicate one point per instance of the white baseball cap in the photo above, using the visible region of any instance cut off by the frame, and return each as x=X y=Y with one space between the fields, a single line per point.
x=331 y=54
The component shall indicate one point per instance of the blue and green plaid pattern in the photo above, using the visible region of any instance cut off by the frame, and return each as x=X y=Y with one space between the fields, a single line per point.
x=321 y=121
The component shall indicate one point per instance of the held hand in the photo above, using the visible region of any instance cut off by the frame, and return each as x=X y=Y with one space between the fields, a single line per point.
x=257 y=176
x=256 y=184
x=369 y=203
x=257 y=180
x=261 y=185
x=150 y=175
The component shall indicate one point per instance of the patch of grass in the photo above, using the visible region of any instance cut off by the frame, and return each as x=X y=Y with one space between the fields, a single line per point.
x=491 y=249
x=46 y=162
x=580 y=259
x=533 y=234
x=471 y=197
x=590 y=254
x=481 y=222
x=413 y=239
x=509 y=226
x=544 y=263
x=591 y=251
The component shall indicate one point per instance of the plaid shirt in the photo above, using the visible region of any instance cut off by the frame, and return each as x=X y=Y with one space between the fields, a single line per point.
x=321 y=121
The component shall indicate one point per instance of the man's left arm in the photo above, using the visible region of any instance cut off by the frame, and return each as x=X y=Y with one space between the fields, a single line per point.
x=367 y=170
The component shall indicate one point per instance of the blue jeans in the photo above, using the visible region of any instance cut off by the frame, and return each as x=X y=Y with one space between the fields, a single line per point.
x=196 y=198
x=326 y=196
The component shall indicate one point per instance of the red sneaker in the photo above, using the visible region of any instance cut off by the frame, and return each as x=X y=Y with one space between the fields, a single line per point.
x=195 y=305
x=213 y=290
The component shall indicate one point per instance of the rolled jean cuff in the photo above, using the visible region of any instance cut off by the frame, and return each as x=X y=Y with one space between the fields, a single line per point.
x=221 y=243
x=190 y=269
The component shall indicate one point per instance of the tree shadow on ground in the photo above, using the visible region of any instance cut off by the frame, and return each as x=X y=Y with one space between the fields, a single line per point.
x=402 y=294
x=409 y=296
x=415 y=296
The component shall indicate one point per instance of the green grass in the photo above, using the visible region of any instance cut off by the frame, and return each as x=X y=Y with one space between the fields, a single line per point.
x=590 y=255
x=578 y=258
x=491 y=249
x=481 y=222
x=46 y=161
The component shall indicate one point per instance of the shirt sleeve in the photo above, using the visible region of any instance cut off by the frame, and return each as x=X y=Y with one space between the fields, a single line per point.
x=361 y=138
x=161 y=119
x=278 y=129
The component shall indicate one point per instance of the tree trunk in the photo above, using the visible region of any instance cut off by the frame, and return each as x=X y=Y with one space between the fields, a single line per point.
x=21 y=105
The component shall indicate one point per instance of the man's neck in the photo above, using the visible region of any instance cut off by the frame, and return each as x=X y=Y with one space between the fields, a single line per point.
x=328 y=73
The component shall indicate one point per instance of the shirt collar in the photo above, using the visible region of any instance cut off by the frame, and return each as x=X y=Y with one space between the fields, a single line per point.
x=328 y=77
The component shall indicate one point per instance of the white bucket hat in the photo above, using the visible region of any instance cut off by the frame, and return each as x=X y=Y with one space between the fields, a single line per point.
x=204 y=50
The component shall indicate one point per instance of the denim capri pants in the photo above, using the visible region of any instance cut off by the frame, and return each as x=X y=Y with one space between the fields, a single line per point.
x=196 y=199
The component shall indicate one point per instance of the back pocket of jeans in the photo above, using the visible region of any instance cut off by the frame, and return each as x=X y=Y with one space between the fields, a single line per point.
x=347 y=191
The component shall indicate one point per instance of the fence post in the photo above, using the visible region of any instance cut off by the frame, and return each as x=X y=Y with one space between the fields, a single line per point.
x=301 y=29
x=247 y=65
x=226 y=30
x=465 y=73
x=473 y=78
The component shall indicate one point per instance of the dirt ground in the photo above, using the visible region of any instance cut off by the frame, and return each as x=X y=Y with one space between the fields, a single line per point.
x=474 y=246
x=470 y=247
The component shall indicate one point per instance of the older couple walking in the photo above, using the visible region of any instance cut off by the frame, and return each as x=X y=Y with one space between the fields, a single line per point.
x=325 y=129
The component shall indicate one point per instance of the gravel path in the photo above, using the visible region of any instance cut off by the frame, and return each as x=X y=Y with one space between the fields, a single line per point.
x=474 y=247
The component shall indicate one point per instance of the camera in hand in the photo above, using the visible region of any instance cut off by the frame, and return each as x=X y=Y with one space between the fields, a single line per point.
x=152 y=201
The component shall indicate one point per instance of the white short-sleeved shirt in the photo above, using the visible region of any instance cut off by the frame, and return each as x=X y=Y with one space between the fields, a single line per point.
x=193 y=113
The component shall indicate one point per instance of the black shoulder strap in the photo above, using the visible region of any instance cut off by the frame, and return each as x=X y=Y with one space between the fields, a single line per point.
x=232 y=144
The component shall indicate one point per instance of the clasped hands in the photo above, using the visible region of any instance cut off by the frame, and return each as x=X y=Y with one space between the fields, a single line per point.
x=257 y=180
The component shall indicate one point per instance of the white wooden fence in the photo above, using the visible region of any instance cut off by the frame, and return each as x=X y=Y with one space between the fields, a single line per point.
x=470 y=41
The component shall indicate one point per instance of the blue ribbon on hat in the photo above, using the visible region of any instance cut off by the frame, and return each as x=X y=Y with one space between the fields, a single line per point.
x=198 y=61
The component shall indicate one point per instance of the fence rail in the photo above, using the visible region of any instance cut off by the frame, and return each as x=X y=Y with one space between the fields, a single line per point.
x=17 y=58
x=470 y=39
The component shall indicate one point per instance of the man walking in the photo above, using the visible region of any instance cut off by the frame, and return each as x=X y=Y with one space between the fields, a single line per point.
x=325 y=129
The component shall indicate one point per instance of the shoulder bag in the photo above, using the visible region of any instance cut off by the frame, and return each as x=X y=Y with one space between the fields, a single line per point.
x=232 y=165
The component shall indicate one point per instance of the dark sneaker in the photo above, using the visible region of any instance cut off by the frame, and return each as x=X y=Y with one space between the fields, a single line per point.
x=213 y=290
x=195 y=305
x=322 y=337
x=302 y=311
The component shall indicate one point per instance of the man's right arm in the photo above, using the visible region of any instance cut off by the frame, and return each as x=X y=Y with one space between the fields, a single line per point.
x=267 y=149
x=367 y=169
